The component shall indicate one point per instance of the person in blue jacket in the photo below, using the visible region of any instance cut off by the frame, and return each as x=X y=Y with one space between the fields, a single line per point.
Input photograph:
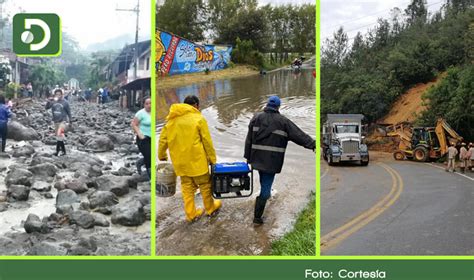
x=105 y=94
x=5 y=114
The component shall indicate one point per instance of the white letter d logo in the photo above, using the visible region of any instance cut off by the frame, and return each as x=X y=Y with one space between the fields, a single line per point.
x=27 y=37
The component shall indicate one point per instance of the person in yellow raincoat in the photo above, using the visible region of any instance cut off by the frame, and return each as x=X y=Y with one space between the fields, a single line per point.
x=186 y=136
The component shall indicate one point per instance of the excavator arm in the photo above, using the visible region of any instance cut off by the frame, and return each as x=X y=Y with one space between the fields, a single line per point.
x=443 y=130
x=403 y=132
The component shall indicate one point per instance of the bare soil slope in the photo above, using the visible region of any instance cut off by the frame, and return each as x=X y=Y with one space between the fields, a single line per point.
x=409 y=105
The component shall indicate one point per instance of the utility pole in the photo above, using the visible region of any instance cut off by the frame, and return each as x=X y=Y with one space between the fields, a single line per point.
x=136 y=10
x=1 y=22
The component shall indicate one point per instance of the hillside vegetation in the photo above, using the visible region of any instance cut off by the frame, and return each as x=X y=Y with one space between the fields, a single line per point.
x=369 y=74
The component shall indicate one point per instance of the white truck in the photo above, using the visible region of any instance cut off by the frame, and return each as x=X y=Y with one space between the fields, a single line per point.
x=342 y=139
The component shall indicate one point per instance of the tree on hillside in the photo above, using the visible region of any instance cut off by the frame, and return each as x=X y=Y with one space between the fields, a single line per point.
x=98 y=63
x=368 y=76
x=453 y=99
x=416 y=12
x=335 y=50
x=457 y=6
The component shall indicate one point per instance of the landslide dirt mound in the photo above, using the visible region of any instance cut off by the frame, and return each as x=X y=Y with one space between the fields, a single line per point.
x=406 y=108
x=409 y=105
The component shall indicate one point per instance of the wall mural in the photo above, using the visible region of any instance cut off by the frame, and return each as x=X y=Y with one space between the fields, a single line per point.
x=175 y=55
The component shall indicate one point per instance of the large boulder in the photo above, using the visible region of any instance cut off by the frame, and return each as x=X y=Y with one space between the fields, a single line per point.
x=47 y=249
x=18 y=192
x=82 y=218
x=100 y=220
x=67 y=201
x=19 y=176
x=100 y=144
x=19 y=132
x=101 y=199
x=85 y=247
x=119 y=185
x=78 y=185
x=128 y=214
x=23 y=151
x=44 y=169
x=41 y=186
x=121 y=138
x=34 y=224
x=71 y=158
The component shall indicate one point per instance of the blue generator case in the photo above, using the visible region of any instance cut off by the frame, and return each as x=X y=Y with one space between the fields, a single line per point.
x=231 y=180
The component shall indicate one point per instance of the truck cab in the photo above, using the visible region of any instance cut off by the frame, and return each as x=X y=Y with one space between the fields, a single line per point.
x=342 y=139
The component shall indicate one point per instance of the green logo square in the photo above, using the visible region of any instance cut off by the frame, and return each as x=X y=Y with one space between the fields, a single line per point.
x=37 y=34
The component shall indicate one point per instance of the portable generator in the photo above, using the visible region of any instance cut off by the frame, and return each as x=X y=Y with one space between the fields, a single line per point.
x=231 y=180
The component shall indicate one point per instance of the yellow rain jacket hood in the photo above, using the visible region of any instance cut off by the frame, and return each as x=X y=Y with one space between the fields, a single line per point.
x=187 y=137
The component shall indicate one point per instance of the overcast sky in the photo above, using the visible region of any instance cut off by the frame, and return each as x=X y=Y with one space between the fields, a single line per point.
x=357 y=16
x=282 y=2
x=90 y=21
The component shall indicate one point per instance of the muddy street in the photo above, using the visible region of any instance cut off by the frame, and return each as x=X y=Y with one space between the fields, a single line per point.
x=90 y=201
x=396 y=208
x=228 y=106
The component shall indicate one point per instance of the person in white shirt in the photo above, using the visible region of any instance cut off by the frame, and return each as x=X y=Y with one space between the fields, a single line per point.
x=452 y=153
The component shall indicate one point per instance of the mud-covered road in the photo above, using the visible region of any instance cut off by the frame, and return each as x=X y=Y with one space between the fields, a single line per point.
x=87 y=202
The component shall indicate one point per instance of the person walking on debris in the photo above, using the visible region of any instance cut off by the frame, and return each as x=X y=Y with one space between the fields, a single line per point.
x=29 y=88
x=470 y=154
x=5 y=114
x=61 y=114
x=452 y=153
x=265 y=146
x=463 y=157
x=105 y=94
x=187 y=137
x=141 y=125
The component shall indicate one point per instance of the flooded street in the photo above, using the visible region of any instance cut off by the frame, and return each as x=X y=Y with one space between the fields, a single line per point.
x=228 y=106
x=81 y=203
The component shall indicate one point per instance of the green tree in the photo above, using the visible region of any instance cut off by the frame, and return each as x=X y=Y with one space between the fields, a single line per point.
x=416 y=12
x=4 y=72
x=96 y=77
x=453 y=99
x=335 y=50
x=249 y=23
x=185 y=18
x=45 y=76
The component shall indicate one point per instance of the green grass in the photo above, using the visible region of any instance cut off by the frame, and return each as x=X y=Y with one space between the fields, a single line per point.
x=301 y=241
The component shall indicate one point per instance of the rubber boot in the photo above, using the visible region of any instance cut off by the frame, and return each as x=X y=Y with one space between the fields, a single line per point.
x=58 y=148
x=63 y=147
x=139 y=164
x=259 y=208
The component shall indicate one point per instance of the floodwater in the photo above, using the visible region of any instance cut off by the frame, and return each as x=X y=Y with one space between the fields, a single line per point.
x=228 y=106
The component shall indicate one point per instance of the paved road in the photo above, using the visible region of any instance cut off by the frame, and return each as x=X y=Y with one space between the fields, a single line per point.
x=396 y=208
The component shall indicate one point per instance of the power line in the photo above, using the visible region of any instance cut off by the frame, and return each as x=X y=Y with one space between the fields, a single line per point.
x=366 y=16
x=371 y=24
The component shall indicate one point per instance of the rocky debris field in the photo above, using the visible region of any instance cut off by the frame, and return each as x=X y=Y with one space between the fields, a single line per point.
x=90 y=201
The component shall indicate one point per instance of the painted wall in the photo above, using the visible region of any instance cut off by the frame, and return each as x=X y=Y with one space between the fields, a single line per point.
x=175 y=55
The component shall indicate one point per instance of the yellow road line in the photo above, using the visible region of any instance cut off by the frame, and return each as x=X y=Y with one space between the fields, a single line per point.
x=338 y=235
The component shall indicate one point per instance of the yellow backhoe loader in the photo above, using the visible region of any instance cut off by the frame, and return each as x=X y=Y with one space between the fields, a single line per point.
x=423 y=143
